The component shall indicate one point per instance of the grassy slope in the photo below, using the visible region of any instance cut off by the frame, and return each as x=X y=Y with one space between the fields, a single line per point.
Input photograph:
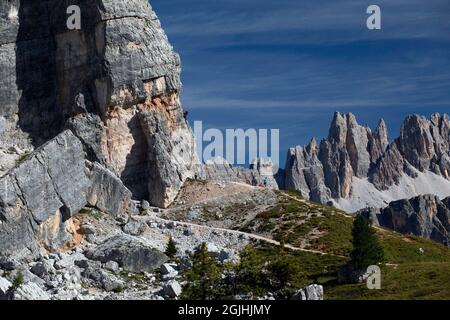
x=408 y=274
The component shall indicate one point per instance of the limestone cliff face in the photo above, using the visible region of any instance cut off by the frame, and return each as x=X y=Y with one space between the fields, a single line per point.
x=88 y=116
x=305 y=172
x=99 y=82
x=355 y=167
x=426 y=216
x=42 y=193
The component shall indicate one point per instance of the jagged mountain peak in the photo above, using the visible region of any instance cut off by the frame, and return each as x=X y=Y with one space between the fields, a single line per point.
x=353 y=158
x=382 y=131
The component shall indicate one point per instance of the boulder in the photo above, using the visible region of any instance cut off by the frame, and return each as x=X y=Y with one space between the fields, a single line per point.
x=172 y=289
x=87 y=229
x=108 y=193
x=131 y=253
x=167 y=268
x=110 y=282
x=135 y=227
x=8 y=264
x=426 y=216
x=30 y=291
x=5 y=285
x=39 y=196
x=312 y=292
x=111 y=266
x=43 y=269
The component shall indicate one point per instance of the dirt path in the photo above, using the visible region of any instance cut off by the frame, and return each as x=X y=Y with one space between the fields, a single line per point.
x=239 y=233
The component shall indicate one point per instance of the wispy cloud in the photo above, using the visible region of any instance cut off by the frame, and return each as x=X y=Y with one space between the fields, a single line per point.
x=289 y=64
x=319 y=21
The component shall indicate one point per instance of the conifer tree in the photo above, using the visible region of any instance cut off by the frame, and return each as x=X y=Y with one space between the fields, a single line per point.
x=204 y=278
x=367 y=249
x=171 y=249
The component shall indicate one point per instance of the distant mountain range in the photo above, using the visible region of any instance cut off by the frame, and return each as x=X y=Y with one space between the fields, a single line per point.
x=355 y=168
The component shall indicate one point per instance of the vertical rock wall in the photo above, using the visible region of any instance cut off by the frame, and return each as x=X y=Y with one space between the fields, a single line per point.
x=99 y=82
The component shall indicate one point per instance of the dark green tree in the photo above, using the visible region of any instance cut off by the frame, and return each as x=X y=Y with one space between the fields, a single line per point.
x=367 y=249
x=204 y=278
x=171 y=249
x=285 y=273
x=250 y=276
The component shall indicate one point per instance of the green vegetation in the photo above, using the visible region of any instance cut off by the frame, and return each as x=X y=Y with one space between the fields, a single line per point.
x=171 y=249
x=118 y=289
x=18 y=280
x=417 y=281
x=203 y=279
x=22 y=158
x=259 y=273
x=130 y=277
x=94 y=212
x=260 y=270
x=367 y=250
x=295 y=220
x=413 y=268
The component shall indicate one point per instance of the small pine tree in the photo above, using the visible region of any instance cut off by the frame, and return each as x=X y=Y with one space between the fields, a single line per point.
x=171 y=249
x=367 y=250
x=204 y=278
x=18 y=280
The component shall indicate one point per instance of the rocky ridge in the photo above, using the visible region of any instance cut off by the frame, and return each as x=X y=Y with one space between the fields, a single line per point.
x=426 y=216
x=355 y=168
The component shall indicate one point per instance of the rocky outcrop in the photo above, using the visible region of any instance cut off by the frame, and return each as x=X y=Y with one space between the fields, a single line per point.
x=426 y=216
x=87 y=117
x=313 y=292
x=167 y=140
x=261 y=173
x=5 y=285
x=354 y=167
x=102 y=82
x=324 y=172
x=39 y=197
x=30 y=292
x=107 y=192
x=131 y=253
x=304 y=172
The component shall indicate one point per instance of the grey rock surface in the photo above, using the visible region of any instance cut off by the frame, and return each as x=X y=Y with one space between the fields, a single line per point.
x=426 y=216
x=40 y=195
x=107 y=192
x=172 y=289
x=170 y=154
x=30 y=291
x=135 y=227
x=313 y=292
x=5 y=284
x=352 y=155
x=260 y=173
x=305 y=173
x=131 y=253
x=96 y=82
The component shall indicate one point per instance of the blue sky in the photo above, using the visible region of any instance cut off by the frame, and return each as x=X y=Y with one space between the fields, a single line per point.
x=289 y=64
